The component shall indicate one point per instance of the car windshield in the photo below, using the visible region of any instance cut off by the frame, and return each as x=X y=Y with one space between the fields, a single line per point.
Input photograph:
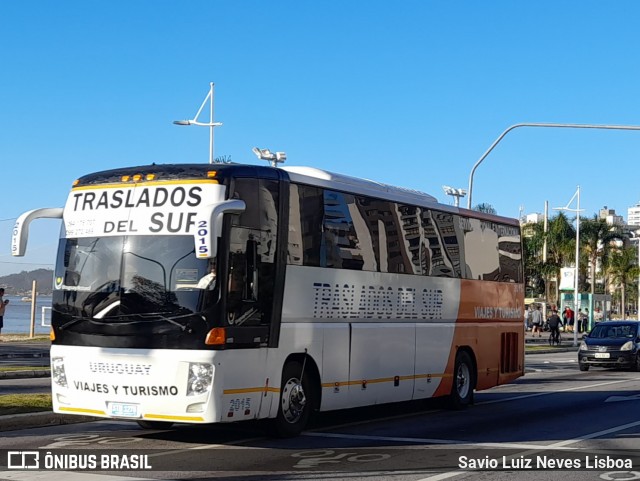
x=612 y=332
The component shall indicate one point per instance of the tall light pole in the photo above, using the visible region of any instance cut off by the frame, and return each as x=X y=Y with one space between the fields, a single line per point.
x=211 y=124
x=637 y=239
x=576 y=299
x=515 y=126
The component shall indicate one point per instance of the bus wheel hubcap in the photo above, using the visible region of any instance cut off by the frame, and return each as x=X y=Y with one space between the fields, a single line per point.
x=293 y=401
x=462 y=380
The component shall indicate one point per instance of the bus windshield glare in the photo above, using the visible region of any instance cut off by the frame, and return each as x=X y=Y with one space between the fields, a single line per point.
x=107 y=278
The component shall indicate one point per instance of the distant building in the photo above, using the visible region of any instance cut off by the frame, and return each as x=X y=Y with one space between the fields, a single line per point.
x=633 y=215
x=610 y=216
x=533 y=218
x=527 y=223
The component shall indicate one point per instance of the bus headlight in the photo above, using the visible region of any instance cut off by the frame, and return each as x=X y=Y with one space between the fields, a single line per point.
x=57 y=371
x=200 y=378
x=627 y=346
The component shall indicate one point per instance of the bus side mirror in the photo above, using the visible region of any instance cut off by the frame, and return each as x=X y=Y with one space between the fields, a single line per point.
x=20 y=233
x=209 y=226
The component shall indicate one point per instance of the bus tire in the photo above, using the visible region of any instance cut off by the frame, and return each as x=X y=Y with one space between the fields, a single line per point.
x=463 y=382
x=295 y=402
x=154 y=424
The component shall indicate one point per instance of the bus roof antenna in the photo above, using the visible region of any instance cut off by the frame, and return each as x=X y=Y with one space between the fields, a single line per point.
x=266 y=154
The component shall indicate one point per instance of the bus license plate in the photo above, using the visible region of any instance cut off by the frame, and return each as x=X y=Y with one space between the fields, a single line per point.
x=602 y=355
x=123 y=410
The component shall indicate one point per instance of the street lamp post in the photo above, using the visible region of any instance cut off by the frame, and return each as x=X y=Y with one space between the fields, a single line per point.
x=515 y=126
x=576 y=294
x=637 y=239
x=211 y=124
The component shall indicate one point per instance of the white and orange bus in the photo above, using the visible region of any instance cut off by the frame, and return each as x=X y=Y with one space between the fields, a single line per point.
x=222 y=292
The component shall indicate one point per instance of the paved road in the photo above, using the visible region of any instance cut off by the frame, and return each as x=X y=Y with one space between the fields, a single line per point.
x=554 y=411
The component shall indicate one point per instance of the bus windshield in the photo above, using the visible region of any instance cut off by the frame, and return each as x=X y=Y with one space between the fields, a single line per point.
x=111 y=277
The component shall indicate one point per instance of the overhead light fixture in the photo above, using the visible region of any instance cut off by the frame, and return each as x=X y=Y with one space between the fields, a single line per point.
x=273 y=158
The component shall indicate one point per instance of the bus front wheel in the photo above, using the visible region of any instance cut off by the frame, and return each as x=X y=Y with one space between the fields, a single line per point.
x=463 y=382
x=295 y=401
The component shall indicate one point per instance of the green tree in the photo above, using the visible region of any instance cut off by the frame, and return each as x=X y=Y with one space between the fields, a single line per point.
x=596 y=237
x=561 y=246
x=486 y=208
x=623 y=271
x=533 y=244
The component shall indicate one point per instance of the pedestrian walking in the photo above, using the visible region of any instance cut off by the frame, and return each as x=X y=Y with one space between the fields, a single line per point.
x=3 y=305
x=536 y=321
x=568 y=318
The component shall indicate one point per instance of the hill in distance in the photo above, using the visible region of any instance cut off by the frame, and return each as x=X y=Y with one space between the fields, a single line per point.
x=21 y=284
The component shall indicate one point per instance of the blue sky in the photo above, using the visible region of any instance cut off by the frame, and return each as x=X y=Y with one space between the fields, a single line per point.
x=409 y=93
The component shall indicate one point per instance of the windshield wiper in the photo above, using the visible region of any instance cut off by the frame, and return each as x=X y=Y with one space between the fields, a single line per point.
x=183 y=327
x=147 y=317
x=155 y=316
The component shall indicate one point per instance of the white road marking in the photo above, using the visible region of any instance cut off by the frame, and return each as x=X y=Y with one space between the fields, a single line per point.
x=525 y=396
x=554 y=446
x=440 y=443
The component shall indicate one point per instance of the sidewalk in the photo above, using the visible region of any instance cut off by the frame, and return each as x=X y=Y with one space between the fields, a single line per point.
x=536 y=345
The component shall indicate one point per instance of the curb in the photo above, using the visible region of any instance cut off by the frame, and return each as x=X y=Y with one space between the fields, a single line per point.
x=551 y=350
x=13 y=422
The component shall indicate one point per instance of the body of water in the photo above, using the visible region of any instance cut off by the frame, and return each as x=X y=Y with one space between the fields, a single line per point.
x=17 y=315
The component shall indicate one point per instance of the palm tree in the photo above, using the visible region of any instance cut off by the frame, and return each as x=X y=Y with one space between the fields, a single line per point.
x=596 y=237
x=561 y=244
x=533 y=242
x=623 y=271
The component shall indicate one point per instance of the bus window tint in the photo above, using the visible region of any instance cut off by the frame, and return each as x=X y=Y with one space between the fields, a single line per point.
x=486 y=262
x=87 y=273
x=166 y=282
x=411 y=239
x=443 y=257
x=510 y=252
x=341 y=245
x=481 y=255
x=294 y=241
x=252 y=253
x=305 y=217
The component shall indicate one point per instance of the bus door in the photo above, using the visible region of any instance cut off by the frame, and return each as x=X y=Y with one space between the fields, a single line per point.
x=250 y=306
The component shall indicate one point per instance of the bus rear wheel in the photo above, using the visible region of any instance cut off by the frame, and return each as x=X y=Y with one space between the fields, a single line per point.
x=295 y=401
x=154 y=424
x=463 y=382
